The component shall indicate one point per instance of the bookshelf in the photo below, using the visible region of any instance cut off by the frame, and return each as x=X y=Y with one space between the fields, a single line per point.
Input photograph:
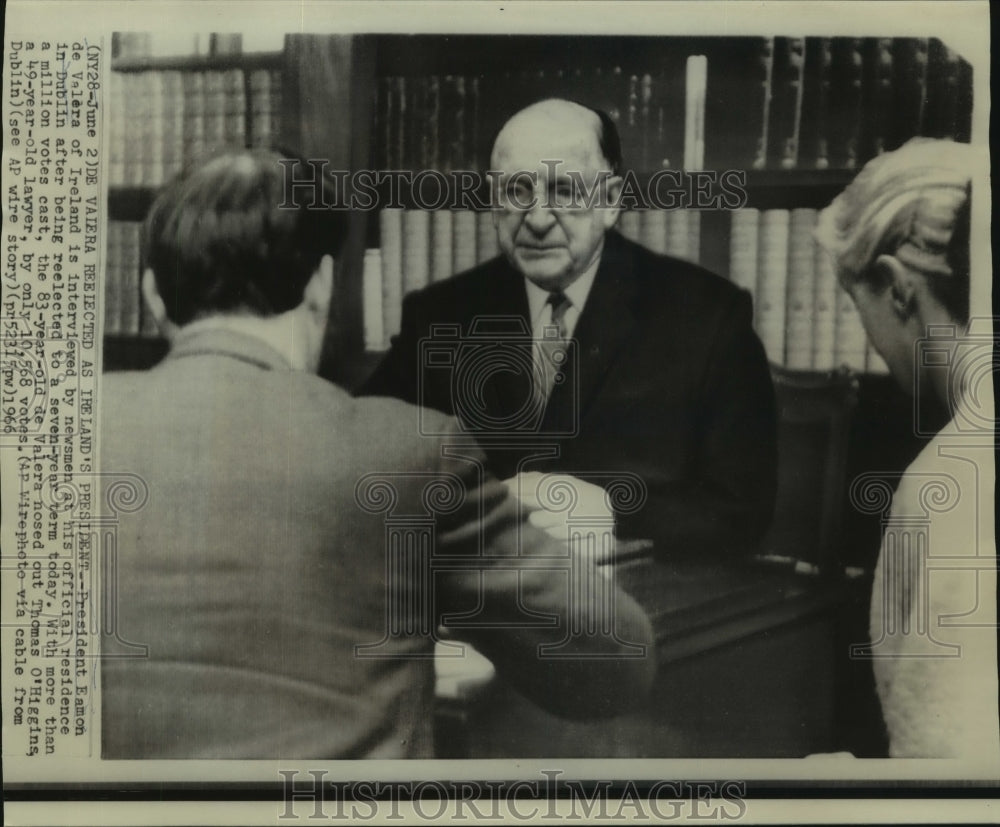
x=798 y=116
x=165 y=110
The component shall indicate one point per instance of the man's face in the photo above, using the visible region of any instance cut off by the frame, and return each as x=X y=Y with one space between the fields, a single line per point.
x=545 y=225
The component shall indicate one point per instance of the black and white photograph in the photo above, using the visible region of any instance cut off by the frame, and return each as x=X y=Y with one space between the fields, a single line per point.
x=536 y=406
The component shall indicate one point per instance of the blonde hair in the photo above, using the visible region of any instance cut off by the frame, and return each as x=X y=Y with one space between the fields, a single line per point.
x=912 y=203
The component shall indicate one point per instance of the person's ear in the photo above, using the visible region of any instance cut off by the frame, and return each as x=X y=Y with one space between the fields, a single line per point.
x=319 y=290
x=901 y=283
x=155 y=305
x=613 y=194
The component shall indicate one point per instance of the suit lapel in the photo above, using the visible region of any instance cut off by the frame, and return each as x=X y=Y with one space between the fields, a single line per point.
x=604 y=326
x=503 y=313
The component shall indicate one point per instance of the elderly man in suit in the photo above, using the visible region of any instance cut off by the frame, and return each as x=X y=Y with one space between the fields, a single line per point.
x=266 y=612
x=660 y=375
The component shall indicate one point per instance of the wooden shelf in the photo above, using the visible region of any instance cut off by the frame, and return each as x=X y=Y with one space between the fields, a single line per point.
x=785 y=188
x=193 y=63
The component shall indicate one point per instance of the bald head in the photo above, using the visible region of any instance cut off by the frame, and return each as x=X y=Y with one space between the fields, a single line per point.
x=559 y=129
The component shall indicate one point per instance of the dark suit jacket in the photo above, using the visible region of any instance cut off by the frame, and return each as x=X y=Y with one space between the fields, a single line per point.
x=256 y=565
x=669 y=381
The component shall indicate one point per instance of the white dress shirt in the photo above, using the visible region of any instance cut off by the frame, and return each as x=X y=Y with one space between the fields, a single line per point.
x=540 y=311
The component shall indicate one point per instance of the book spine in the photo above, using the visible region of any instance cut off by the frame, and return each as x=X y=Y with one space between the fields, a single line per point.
x=628 y=125
x=214 y=112
x=143 y=147
x=612 y=89
x=801 y=293
x=846 y=102
x=415 y=146
x=132 y=158
x=371 y=292
x=397 y=146
x=112 y=280
x=276 y=104
x=464 y=245
x=679 y=233
x=786 y=107
x=743 y=239
x=879 y=96
x=487 y=245
x=234 y=108
x=382 y=123
x=416 y=255
x=824 y=312
x=451 y=139
x=763 y=80
x=909 y=89
x=194 y=116
x=173 y=124
x=475 y=159
x=653 y=230
x=738 y=103
x=694 y=236
x=696 y=80
x=944 y=91
x=129 y=298
x=851 y=342
x=393 y=243
x=156 y=172
x=814 y=144
x=772 y=282
x=646 y=123
x=442 y=232
x=628 y=225
x=433 y=125
x=225 y=44
x=116 y=129
x=259 y=83
x=668 y=149
x=460 y=146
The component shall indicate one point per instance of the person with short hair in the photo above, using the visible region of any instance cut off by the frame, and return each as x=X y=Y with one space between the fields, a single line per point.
x=899 y=236
x=290 y=552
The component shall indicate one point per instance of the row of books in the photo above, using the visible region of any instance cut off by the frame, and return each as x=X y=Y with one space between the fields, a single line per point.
x=803 y=317
x=772 y=102
x=418 y=247
x=132 y=45
x=160 y=120
x=124 y=311
x=833 y=102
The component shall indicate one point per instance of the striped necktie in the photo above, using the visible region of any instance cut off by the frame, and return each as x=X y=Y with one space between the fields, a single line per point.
x=550 y=351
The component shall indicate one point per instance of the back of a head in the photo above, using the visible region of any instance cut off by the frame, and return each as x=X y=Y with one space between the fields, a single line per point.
x=220 y=241
x=912 y=203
